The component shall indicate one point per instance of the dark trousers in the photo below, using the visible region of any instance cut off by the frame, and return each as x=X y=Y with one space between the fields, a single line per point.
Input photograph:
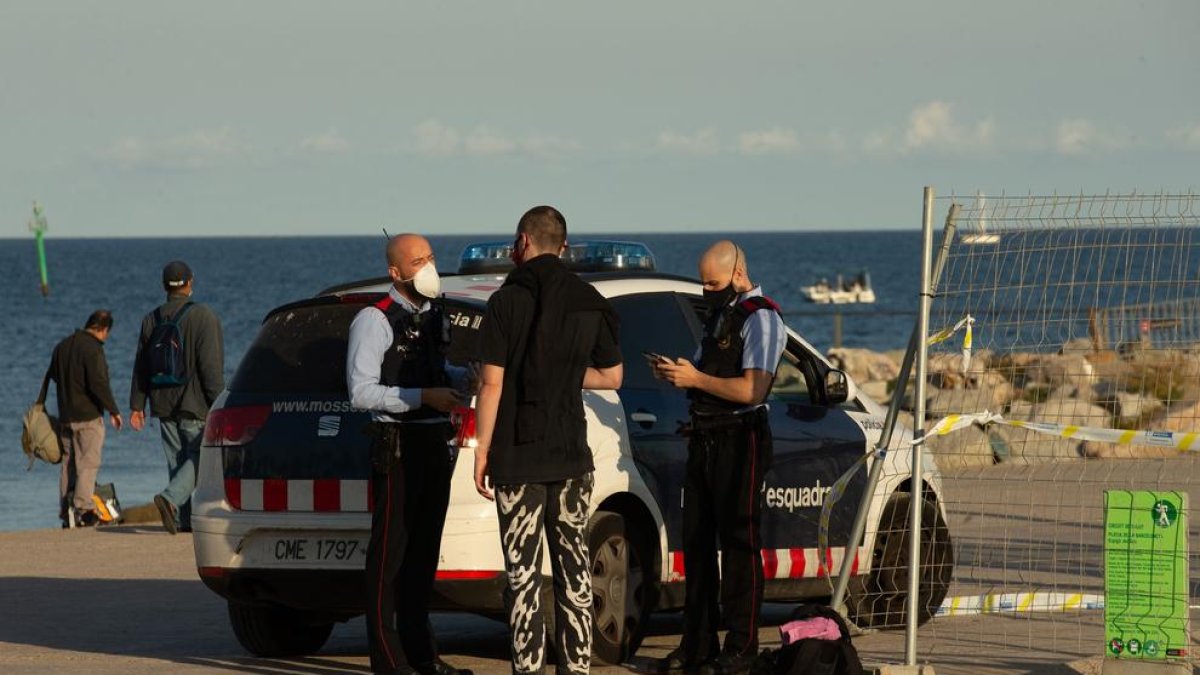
x=722 y=500
x=406 y=534
x=560 y=509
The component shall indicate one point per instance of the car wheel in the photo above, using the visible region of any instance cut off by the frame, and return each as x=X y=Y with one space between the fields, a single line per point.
x=622 y=584
x=275 y=631
x=879 y=599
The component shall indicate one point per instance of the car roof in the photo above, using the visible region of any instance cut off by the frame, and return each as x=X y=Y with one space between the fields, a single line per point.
x=475 y=289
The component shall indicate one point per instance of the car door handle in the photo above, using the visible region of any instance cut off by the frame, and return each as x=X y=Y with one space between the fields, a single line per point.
x=645 y=418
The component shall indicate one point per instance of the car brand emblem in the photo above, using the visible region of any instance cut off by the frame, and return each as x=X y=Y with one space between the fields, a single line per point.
x=329 y=425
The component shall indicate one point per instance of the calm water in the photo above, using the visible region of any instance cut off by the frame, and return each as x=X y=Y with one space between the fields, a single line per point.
x=241 y=279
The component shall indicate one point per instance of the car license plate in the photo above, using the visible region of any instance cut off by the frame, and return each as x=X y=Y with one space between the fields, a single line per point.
x=307 y=549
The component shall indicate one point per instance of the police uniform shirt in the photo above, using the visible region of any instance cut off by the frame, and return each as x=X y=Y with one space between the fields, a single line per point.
x=370 y=337
x=764 y=337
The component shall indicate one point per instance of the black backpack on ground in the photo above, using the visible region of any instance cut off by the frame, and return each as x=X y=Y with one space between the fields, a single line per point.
x=164 y=350
x=812 y=656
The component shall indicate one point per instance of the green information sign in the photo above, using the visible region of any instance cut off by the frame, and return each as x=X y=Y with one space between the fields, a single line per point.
x=1145 y=574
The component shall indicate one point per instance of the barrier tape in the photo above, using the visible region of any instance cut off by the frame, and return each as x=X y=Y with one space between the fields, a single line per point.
x=1014 y=603
x=948 y=332
x=1179 y=440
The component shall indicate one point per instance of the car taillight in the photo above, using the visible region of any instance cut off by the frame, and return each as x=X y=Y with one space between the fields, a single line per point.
x=464 y=421
x=237 y=425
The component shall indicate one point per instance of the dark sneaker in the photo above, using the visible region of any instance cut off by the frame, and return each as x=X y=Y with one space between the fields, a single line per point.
x=729 y=664
x=87 y=519
x=166 y=511
x=676 y=662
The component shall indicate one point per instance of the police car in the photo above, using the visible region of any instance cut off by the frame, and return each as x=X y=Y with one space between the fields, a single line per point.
x=281 y=512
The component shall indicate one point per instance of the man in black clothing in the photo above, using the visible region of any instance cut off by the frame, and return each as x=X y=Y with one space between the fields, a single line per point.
x=547 y=334
x=729 y=453
x=180 y=401
x=396 y=368
x=80 y=373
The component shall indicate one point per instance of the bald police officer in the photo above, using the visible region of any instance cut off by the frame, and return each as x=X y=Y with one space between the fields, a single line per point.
x=396 y=368
x=729 y=453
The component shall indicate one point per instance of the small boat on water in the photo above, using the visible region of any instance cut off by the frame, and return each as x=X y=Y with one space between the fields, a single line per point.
x=856 y=290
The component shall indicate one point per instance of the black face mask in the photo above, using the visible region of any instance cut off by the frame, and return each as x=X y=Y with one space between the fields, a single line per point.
x=718 y=300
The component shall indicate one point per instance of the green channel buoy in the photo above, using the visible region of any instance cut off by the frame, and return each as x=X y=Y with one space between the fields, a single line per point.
x=38 y=226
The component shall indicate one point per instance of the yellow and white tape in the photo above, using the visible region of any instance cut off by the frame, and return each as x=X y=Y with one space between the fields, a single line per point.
x=1180 y=440
x=1019 y=603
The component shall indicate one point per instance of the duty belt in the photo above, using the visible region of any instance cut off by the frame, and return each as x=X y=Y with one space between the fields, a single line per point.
x=711 y=422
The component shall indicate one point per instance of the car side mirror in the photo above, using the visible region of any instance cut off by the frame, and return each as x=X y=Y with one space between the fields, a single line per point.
x=839 y=388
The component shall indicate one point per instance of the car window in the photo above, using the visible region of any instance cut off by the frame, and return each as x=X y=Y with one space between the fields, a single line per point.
x=303 y=349
x=791 y=384
x=651 y=322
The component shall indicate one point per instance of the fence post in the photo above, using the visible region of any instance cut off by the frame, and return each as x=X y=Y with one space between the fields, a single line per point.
x=916 y=500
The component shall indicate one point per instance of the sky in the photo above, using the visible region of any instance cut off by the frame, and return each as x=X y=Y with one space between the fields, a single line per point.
x=280 y=118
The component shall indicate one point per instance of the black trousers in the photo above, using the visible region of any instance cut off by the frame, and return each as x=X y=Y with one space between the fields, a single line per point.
x=406 y=534
x=722 y=500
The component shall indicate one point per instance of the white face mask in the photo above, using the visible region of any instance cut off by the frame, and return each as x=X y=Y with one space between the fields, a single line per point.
x=426 y=282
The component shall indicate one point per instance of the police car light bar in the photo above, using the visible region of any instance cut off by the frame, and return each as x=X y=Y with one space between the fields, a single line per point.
x=583 y=256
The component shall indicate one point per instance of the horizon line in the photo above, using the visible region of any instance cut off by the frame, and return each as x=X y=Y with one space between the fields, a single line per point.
x=584 y=233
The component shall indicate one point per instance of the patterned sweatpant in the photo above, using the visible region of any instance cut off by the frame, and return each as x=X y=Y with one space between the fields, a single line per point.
x=561 y=510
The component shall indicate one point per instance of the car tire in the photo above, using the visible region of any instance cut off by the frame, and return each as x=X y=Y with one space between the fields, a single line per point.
x=879 y=599
x=622 y=586
x=274 y=631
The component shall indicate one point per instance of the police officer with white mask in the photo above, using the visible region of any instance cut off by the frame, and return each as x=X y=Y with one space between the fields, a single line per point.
x=396 y=368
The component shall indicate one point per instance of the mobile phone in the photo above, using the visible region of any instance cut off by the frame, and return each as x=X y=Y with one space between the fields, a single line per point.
x=653 y=358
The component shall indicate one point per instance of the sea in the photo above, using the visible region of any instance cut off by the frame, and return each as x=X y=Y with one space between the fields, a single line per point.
x=243 y=278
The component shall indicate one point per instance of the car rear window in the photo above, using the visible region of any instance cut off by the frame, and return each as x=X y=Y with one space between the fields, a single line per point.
x=303 y=349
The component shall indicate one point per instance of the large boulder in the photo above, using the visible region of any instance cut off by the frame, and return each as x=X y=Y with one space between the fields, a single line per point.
x=951 y=401
x=1056 y=371
x=962 y=449
x=1184 y=418
x=1022 y=446
x=1072 y=411
x=876 y=391
x=864 y=365
x=1128 y=408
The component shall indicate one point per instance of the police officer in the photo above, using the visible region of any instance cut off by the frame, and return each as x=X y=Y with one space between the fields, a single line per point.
x=729 y=452
x=396 y=368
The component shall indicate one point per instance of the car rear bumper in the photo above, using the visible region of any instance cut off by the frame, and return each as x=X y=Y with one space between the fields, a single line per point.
x=341 y=594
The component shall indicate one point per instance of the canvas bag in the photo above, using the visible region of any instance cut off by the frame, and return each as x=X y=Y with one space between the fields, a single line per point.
x=39 y=431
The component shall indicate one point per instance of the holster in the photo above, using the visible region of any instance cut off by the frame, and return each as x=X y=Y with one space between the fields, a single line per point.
x=386 y=446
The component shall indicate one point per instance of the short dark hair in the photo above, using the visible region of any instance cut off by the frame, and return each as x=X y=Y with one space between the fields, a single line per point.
x=100 y=319
x=545 y=225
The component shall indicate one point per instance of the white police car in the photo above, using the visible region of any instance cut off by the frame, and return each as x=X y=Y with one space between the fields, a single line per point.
x=282 y=506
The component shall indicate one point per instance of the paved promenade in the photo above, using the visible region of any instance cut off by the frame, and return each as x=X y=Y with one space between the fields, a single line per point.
x=127 y=600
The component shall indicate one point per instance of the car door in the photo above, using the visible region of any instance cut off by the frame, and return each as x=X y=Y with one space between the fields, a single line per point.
x=815 y=443
x=657 y=412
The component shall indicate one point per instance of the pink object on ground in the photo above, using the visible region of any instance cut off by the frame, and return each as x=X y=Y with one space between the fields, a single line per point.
x=817 y=627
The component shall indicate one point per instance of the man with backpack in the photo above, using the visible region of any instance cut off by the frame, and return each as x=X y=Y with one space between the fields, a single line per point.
x=179 y=367
x=80 y=373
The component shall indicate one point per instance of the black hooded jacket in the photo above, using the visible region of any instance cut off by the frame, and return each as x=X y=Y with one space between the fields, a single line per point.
x=545 y=327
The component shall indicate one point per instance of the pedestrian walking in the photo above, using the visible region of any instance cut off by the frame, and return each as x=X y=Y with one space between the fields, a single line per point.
x=79 y=370
x=179 y=369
